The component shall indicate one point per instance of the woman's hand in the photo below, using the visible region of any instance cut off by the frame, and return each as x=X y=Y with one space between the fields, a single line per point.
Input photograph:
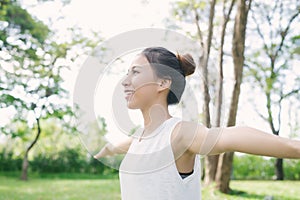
x=110 y=149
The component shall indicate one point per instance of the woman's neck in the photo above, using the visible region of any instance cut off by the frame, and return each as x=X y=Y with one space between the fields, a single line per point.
x=155 y=116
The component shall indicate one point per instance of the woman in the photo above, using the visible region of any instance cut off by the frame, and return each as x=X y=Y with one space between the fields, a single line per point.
x=162 y=160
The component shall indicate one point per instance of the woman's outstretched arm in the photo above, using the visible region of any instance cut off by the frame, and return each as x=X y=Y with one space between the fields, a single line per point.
x=242 y=139
x=111 y=149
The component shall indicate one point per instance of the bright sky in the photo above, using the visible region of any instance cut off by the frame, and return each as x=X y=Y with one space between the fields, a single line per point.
x=114 y=17
x=109 y=17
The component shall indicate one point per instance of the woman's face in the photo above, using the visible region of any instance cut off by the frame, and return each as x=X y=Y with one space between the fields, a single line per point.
x=141 y=84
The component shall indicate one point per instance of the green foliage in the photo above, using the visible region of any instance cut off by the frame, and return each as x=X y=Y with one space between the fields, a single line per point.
x=56 y=152
x=20 y=26
x=32 y=63
x=250 y=167
x=19 y=17
x=74 y=160
x=270 y=63
x=69 y=160
x=296 y=41
x=184 y=10
x=292 y=169
x=31 y=75
x=8 y=162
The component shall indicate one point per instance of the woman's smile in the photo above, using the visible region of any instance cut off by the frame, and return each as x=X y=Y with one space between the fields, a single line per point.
x=128 y=94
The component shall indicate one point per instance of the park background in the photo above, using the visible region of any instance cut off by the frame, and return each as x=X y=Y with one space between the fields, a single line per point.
x=44 y=43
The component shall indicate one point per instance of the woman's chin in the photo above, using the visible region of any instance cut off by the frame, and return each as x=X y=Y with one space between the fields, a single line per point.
x=131 y=105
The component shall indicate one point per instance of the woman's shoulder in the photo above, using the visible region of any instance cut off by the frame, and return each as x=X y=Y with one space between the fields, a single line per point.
x=185 y=125
x=186 y=130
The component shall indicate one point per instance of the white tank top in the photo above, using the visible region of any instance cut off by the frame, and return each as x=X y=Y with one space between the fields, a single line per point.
x=148 y=170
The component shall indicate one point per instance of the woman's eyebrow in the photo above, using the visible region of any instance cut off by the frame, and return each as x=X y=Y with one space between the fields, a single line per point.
x=134 y=67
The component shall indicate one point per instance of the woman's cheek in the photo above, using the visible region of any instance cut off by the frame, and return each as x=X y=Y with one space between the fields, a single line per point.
x=141 y=97
x=146 y=94
x=145 y=87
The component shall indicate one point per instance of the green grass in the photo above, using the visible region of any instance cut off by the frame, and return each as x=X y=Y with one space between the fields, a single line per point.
x=69 y=186
x=250 y=190
x=58 y=188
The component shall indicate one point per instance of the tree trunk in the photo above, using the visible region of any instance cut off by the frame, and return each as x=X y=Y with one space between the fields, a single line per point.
x=24 y=167
x=279 y=172
x=279 y=169
x=211 y=166
x=279 y=162
x=204 y=60
x=238 y=46
x=25 y=159
x=210 y=162
x=224 y=172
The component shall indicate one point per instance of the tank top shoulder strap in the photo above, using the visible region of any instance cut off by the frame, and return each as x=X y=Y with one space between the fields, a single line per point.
x=170 y=128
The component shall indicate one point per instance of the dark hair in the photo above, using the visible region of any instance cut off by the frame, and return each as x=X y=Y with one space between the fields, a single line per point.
x=169 y=66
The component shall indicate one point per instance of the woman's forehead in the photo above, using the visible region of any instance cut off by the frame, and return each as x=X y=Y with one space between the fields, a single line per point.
x=140 y=61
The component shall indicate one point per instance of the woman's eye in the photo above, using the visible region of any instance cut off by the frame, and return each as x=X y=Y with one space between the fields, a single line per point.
x=132 y=72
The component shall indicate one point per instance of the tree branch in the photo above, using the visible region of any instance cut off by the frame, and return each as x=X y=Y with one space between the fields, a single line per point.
x=270 y=116
x=37 y=135
x=248 y=6
x=211 y=26
x=283 y=96
x=284 y=33
x=281 y=66
x=279 y=116
x=261 y=115
x=258 y=79
x=226 y=16
x=198 y=27
x=261 y=36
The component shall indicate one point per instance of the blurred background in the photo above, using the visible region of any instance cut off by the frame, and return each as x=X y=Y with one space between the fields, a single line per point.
x=250 y=76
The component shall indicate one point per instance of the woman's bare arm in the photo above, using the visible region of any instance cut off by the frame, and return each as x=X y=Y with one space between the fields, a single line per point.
x=241 y=139
x=253 y=141
x=110 y=149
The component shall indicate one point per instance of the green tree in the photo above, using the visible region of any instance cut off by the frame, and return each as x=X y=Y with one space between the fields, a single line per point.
x=21 y=38
x=32 y=64
x=238 y=48
x=213 y=161
x=270 y=64
x=192 y=12
x=218 y=168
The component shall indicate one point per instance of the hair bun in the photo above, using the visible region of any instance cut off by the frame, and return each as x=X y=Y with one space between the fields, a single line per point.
x=187 y=63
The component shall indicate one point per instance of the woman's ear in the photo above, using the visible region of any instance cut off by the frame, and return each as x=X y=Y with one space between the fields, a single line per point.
x=164 y=84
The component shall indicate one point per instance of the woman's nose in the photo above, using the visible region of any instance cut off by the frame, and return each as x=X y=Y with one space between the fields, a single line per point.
x=125 y=81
